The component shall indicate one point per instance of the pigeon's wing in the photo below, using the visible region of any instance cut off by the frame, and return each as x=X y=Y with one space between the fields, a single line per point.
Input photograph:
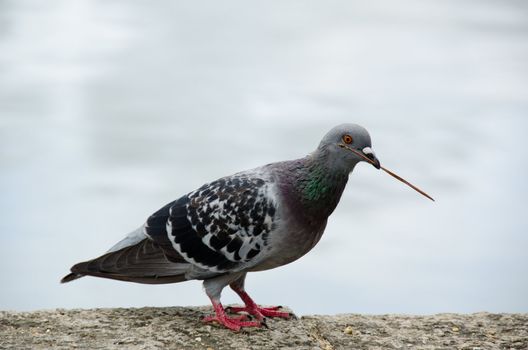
x=222 y=226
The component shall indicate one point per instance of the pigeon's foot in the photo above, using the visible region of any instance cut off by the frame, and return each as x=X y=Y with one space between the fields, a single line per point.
x=232 y=323
x=260 y=312
x=253 y=309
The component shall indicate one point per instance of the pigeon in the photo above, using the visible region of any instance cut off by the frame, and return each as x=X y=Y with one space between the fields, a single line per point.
x=254 y=220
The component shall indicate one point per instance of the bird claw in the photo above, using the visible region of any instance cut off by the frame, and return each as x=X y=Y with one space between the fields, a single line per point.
x=232 y=323
x=261 y=313
x=212 y=318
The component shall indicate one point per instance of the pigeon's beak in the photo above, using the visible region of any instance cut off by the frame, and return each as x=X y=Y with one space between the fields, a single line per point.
x=369 y=153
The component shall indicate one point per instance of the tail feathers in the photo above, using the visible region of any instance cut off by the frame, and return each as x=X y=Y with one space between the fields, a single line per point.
x=71 y=277
x=143 y=262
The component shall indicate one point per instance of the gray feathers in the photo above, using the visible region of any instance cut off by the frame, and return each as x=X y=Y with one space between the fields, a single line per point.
x=233 y=216
x=222 y=226
x=253 y=220
x=143 y=262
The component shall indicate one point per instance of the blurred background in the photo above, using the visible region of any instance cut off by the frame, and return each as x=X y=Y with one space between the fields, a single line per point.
x=111 y=109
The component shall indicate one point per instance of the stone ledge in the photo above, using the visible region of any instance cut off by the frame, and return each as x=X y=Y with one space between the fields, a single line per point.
x=180 y=328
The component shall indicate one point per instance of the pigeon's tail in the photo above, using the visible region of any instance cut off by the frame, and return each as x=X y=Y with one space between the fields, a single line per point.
x=143 y=262
x=71 y=277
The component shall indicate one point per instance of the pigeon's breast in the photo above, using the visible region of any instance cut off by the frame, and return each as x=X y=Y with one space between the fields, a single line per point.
x=287 y=247
x=291 y=238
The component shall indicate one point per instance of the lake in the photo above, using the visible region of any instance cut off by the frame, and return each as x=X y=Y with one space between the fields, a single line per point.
x=111 y=109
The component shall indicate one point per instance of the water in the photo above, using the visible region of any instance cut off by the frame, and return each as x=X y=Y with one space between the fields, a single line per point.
x=109 y=110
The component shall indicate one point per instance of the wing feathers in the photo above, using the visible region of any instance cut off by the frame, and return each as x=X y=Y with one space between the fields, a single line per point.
x=223 y=226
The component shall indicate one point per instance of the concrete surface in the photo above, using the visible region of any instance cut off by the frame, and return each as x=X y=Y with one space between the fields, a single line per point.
x=180 y=328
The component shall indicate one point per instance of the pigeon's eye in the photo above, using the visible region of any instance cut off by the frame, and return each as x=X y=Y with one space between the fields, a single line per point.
x=347 y=139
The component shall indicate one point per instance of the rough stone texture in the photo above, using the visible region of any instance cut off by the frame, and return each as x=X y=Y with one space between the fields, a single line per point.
x=180 y=328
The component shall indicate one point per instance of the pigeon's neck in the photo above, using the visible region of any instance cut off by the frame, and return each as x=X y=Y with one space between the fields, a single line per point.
x=315 y=187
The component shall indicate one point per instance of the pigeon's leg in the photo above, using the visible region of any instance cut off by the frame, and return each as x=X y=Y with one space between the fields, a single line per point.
x=213 y=289
x=251 y=307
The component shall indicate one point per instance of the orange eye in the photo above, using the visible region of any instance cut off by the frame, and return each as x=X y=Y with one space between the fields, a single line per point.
x=347 y=139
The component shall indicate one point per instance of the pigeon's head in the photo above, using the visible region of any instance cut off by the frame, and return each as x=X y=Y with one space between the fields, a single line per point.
x=347 y=145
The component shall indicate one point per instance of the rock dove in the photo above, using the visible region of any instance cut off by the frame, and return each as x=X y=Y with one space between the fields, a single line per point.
x=253 y=220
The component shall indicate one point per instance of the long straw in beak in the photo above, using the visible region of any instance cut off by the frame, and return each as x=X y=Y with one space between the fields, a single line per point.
x=388 y=171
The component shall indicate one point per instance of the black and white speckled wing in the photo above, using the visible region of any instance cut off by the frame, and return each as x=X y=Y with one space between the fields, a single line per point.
x=222 y=226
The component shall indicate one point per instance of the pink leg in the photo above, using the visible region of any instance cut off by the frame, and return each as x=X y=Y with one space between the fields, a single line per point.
x=255 y=310
x=233 y=323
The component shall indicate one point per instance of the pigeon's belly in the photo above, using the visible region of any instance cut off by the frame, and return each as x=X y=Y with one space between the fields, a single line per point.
x=288 y=246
